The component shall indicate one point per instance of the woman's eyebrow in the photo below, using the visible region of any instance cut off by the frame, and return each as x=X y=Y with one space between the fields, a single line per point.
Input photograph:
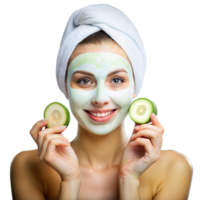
x=110 y=74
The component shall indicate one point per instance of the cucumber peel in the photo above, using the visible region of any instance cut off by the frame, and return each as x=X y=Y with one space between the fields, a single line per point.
x=141 y=109
x=57 y=115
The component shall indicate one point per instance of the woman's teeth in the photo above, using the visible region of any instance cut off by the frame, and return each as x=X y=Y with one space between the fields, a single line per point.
x=101 y=114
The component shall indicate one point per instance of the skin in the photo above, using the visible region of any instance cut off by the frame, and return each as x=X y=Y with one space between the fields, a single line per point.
x=99 y=152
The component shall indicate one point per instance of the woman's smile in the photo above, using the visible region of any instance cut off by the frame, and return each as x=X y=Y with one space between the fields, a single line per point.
x=101 y=117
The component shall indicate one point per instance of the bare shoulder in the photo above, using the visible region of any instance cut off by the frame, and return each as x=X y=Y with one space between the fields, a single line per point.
x=29 y=154
x=44 y=178
x=174 y=171
x=26 y=154
x=171 y=171
x=172 y=158
x=24 y=160
x=173 y=162
x=30 y=163
x=48 y=178
x=28 y=176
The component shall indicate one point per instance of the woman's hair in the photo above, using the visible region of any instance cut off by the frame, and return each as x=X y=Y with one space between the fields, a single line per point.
x=97 y=38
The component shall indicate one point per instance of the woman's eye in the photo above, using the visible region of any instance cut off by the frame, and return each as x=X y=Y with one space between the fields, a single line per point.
x=118 y=79
x=80 y=80
x=83 y=79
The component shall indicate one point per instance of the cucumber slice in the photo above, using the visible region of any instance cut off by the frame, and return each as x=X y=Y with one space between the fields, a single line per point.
x=141 y=109
x=57 y=115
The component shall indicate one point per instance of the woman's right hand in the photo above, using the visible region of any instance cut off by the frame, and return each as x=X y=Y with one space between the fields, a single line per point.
x=55 y=150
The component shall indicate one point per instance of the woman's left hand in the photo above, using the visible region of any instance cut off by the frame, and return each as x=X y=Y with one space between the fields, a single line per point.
x=142 y=150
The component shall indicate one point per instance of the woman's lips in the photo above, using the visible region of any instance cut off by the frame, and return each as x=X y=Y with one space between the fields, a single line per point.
x=101 y=119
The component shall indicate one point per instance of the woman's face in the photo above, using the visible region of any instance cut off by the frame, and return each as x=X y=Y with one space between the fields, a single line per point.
x=100 y=86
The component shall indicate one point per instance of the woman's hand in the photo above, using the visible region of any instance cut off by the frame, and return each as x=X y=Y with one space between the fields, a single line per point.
x=142 y=150
x=55 y=150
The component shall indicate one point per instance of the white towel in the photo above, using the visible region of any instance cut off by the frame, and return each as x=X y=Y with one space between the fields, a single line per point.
x=93 y=18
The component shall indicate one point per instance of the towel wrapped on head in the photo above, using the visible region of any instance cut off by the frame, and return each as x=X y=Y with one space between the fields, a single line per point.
x=93 y=18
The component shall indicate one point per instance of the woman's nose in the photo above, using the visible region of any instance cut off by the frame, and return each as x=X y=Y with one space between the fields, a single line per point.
x=98 y=102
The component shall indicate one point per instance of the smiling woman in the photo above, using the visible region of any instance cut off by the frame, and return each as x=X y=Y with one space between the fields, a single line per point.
x=94 y=63
x=100 y=78
x=100 y=94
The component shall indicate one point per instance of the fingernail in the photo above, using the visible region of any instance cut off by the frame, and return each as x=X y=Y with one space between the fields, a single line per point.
x=62 y=127
x=44 y=120
x=137 y=127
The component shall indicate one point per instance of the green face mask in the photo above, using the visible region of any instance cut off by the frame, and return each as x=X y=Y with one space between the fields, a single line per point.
x=100 y=110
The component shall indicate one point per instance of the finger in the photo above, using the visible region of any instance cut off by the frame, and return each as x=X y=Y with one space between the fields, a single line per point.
x=154 y=125
x=36 y=127
x=46 y=140
x=156 y=121
x=51 y=148
x=150 y=151
x=52 y=130
x=63 y=135
x=154 y=137
x=146 y=126
x=136 y=129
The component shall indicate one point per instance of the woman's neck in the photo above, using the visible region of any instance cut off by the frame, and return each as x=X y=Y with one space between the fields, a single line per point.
x=100 y=151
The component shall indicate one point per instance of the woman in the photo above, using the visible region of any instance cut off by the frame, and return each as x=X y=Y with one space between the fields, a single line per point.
x=100 y=72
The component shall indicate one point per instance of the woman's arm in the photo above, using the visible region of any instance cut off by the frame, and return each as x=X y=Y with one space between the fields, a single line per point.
x=69 y=190
x=129 y=189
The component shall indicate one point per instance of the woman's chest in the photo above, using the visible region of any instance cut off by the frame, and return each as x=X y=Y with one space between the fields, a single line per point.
x=99 y=186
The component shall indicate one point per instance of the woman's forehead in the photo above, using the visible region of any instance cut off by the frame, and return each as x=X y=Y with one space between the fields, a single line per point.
x=87 y=54
x=102 y=47
x=99 y=61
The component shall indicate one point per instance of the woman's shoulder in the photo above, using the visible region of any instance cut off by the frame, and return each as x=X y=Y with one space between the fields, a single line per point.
x=25 y=173
x=173 y=156
x=47 y=177
x=168 y=158
x=23 y=159
x=170 y=166
x=29 y=154
x=29 y=161
x=26 y=159
x=29 y=158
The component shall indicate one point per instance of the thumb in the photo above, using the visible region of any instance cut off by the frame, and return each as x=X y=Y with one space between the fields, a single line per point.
x=154 y=120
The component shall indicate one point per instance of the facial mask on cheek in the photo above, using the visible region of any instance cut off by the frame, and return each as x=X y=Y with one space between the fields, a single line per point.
x=100 y=64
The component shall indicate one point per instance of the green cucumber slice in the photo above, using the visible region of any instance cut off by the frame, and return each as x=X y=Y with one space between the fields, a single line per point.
x=141 y=109
x=56 y=114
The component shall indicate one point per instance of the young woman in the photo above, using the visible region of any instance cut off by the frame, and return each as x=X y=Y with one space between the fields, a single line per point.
x=101 y=162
